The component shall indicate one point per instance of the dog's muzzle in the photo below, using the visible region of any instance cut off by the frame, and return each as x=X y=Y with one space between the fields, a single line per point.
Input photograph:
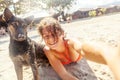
x=21 y=37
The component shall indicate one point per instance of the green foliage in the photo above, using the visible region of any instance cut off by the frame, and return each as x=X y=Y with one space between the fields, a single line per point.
x=22 y=6
x=4 y=3
x=92 y=13
x=103 y=10
x=19 y=7
x=58 y=4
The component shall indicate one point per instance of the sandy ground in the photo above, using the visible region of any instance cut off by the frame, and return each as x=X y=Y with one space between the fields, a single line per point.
x=105 y=29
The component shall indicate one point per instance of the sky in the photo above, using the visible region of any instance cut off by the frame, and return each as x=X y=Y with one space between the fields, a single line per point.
x=93 y=3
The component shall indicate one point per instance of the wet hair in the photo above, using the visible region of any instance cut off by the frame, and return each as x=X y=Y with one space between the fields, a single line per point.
x=52 y=26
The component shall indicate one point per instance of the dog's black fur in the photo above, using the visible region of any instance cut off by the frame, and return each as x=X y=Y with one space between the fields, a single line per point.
x=22 y=50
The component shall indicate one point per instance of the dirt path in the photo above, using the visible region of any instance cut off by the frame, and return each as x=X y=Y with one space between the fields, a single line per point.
x=105 y=29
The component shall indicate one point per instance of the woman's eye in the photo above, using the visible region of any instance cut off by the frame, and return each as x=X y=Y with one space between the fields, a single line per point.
x=46 y=37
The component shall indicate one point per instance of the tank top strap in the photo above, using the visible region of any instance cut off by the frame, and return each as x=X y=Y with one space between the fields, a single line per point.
x=67 y=50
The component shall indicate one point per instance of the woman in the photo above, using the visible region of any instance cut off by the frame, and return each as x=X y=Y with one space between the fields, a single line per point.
x=61 y=51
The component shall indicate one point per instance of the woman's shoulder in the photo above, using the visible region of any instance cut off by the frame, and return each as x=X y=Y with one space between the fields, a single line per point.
x=75 y=43
x=72 y=40
x=46 y=49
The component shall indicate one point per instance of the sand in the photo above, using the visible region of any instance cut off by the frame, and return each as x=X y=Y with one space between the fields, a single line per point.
x=105 y=29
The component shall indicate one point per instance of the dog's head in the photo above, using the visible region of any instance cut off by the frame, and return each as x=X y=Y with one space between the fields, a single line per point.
x=17 y=27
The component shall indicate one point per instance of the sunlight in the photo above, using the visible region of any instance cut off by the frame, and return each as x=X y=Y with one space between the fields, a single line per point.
x=15 y=1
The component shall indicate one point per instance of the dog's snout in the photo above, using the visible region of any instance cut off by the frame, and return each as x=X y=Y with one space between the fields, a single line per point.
x=21 y=37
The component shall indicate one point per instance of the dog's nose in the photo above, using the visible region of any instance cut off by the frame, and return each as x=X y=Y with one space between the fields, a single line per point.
x=21 y=37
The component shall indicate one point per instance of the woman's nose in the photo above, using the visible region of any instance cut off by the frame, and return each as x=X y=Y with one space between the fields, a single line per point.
x=52 y=40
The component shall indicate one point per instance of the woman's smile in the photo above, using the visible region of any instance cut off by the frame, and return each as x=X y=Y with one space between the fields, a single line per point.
x=53 y=45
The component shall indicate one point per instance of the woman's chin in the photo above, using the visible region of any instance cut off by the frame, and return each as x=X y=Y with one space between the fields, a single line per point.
x=53 y=46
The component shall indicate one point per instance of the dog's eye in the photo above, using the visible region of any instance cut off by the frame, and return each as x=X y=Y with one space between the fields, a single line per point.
x=12 y=24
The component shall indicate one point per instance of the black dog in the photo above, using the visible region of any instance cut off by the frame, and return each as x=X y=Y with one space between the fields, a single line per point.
x=22 y=50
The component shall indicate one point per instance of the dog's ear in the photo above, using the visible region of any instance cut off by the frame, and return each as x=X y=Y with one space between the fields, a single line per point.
x=7 y=15
x=2 y=22
x=29 y=19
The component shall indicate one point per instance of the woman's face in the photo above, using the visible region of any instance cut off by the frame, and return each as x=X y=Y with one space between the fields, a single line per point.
x=51 y=41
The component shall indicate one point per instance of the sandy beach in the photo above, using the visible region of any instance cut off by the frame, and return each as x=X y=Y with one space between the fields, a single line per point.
x=105 y=29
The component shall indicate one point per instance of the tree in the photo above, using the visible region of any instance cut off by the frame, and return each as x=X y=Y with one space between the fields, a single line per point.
x=23 y=6
x=9 y=3
x=18 y=6
x=58 y=5
x=4 y=4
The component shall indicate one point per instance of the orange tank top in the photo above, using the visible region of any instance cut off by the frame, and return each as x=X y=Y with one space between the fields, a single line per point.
x=67 y=54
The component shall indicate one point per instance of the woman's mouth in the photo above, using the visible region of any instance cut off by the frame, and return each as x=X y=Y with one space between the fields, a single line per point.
x=53 y=45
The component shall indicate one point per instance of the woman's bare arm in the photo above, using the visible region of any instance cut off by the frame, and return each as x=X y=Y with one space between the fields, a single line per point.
x=103 y=54
x=59 y=68
x=93 y=52
x=114 y=63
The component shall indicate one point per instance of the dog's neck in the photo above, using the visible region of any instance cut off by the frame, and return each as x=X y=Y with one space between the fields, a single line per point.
x=19 y=47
